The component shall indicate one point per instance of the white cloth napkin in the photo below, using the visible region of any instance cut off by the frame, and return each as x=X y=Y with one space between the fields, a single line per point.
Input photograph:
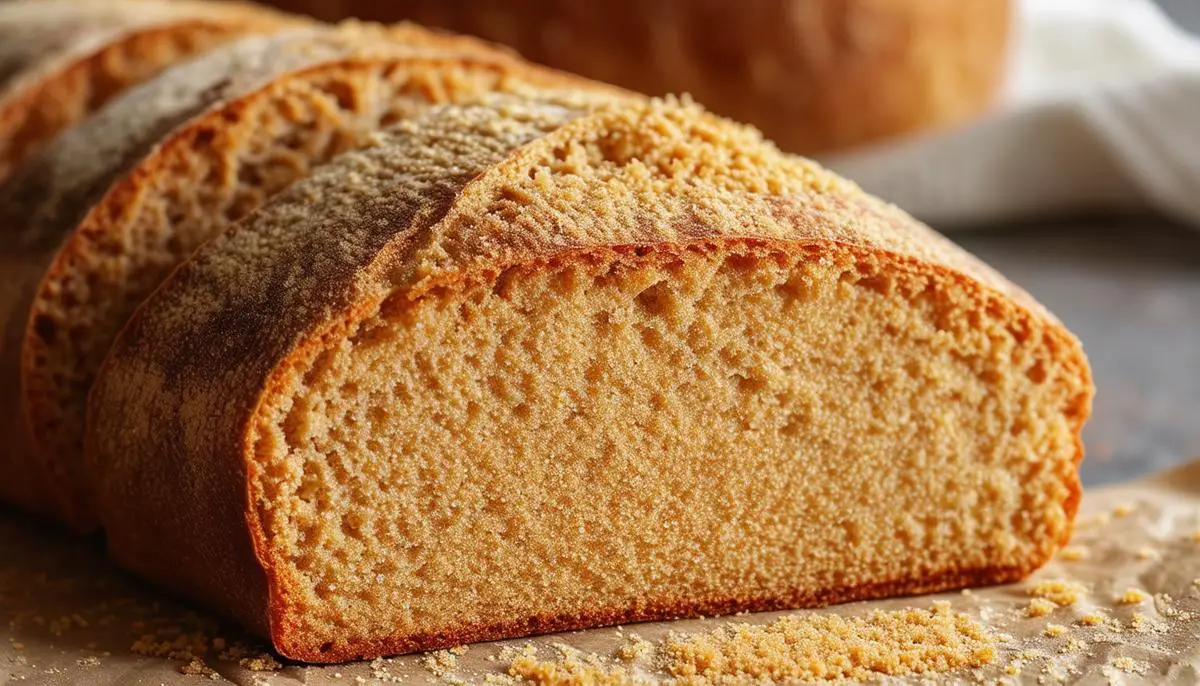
x=1101 y=112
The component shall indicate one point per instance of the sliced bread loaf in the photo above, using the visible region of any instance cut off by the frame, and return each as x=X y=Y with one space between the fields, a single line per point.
x=62 y=59
x=518 y=368
x=97 y=220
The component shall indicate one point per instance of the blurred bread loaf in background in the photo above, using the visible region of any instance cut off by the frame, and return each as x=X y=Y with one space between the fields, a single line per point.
x=814 y=75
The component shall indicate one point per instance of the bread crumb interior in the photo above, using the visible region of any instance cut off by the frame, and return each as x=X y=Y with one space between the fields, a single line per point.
x=620 y=434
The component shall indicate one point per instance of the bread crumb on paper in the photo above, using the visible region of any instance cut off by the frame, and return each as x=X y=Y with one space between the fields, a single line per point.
x=196 y=667
x=1128 y=664
x=1132 y=596
x=818 y=646
x=1124 y=509
x=1059 y=592
x=440 y=662
x=635 y=648
x=571 y=667
x=1055 y=630
x=1040 y=607
x=260 y=663
x=1073 y=554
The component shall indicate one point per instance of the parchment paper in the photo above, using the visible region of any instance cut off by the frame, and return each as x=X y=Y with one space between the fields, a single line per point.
x=68 y=617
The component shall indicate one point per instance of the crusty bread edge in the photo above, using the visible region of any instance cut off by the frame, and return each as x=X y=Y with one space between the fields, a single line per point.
x=290 y=641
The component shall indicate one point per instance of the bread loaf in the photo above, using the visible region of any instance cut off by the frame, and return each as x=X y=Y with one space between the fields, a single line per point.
x=114 y=204
x=815 y=75
x=521 y=367
x=60 y=60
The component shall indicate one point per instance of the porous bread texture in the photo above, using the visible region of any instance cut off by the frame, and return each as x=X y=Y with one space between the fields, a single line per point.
x=111 y=207
x=520 y=368
x=61 y=60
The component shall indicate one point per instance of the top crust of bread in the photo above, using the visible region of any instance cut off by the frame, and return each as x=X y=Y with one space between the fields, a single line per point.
x=230 y=330
x=61 y=59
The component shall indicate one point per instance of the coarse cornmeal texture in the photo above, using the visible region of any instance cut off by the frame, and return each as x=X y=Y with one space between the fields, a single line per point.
x=570 y=670
x=520 y=368
x=116 y=203
x=61 y=60
x=831 y=647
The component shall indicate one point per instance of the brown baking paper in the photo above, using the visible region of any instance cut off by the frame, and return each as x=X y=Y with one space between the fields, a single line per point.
x=69 y=617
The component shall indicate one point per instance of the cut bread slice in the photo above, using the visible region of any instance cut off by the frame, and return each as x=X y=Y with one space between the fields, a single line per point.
x=60 y=60
x=520 y=368
x=109 y=209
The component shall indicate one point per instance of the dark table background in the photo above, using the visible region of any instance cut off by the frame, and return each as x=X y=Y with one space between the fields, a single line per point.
x=1130 y=289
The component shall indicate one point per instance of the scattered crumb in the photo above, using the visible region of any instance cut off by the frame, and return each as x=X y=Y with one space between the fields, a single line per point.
x=1146 y=553
x=1055 y=630
x=816 y=646
x=459 y=650
x=380 y=673
x=1072 y=646
x=183 y=646
x=1124 y=509
x=1097 y=520
x=195 y=667
x=1092 y=619
x=635 y=648
x=1132 y=596
x=440 y=662
x=1059 y=592
x=571 y=668
x=1128 y=664
x=88 y=662
x=1040 y=607
x=1073 y=554
x=510 y=653
x=260 y=663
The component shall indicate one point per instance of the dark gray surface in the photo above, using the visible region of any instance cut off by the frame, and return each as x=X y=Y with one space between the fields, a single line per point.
x=1186 y=12
x=1130 y=289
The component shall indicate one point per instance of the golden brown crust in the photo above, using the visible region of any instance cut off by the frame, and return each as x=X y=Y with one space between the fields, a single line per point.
x=86 y=179
x=422 y=214
x=814 y=75
x=62 y=59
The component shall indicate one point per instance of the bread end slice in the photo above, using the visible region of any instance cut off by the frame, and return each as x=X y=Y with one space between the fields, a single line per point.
x=521 y=368
x=64 y=59
x=111 y=207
